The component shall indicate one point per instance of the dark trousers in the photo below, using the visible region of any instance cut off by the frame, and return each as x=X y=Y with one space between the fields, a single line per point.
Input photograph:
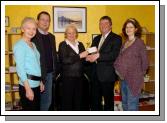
x=72 y=94
x=102 y=89
x=26 y=104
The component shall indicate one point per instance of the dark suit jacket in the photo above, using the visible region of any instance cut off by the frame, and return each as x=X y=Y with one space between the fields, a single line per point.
x=108 y=53
x=72 y=65
x=40 y=46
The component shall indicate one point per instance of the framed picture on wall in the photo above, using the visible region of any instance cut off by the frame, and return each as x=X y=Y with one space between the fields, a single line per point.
x=6 y=21
x=94 y=35
x=63 y=16
x=88 y=44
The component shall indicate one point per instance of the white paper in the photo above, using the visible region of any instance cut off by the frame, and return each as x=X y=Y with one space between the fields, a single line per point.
x=92 y=49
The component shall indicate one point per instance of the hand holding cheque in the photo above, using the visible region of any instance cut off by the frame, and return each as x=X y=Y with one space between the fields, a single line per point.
x=94 y=54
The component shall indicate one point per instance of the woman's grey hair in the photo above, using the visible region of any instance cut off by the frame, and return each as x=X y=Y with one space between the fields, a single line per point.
x=71 y=26
x=28 y=19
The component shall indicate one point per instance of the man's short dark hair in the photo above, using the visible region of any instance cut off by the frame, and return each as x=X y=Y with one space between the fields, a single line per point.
x=43 y=12
x=106 y=18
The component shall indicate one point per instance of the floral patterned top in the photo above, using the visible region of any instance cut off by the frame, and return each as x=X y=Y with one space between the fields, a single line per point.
x=132 y=64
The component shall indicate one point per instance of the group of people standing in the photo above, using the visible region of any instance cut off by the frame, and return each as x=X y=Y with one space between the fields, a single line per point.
x=37 y=63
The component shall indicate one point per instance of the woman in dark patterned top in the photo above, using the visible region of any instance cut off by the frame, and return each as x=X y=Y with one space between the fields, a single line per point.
x=131 y=65
x=72 y=54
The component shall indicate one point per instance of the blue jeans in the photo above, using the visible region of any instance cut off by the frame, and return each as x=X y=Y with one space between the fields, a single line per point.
x=129 y=102
x=46 y=96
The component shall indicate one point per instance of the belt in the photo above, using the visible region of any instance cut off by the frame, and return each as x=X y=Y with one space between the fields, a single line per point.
x=32 y=77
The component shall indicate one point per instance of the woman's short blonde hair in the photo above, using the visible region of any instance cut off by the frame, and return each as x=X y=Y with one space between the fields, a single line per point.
x=28 y=19
x=71 y=26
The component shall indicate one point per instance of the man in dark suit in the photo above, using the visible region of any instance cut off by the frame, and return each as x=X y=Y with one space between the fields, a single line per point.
x=45 y=43
x=103 y=72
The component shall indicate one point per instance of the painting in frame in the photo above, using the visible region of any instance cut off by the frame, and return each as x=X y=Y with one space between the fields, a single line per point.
x=94 y=35
x=63 y=16
x=6 y=21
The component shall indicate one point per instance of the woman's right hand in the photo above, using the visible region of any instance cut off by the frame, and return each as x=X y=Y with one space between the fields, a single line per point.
x=30 y=94
x=83 y=54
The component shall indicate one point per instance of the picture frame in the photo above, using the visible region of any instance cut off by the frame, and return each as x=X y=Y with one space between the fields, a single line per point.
x=89 y=42
x=94 y=35
x=63 y=16
x=6 y=21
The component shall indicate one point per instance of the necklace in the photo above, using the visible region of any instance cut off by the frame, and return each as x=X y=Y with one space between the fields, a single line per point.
x=30 y=44
x=132 y=40
x=129 y=42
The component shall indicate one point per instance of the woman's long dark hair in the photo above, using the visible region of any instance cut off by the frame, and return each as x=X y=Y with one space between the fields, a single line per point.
x=136 y=25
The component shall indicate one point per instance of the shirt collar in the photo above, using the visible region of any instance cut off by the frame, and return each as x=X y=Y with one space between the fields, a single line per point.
x=74 y=47
x=69 y=43
x=106 y=34
x=42 y=32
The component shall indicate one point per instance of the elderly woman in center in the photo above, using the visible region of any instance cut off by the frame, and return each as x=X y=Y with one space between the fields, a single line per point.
x=72 y=54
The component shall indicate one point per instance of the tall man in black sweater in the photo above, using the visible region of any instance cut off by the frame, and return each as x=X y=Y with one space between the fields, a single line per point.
x=45 y=43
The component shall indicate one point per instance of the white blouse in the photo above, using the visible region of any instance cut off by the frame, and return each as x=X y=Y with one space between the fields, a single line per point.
x=74 y=47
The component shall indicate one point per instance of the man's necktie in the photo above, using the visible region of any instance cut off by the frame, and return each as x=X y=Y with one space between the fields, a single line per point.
x=101 y=42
